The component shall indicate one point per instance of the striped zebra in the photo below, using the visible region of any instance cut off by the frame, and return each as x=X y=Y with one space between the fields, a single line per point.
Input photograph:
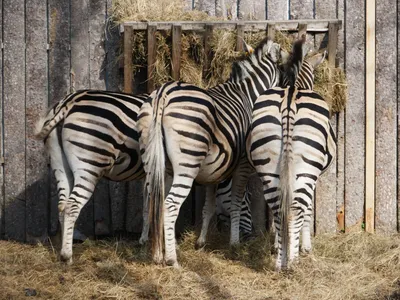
x=95 y=137
x=223 y=208
x=198 y=134
x=291 y=142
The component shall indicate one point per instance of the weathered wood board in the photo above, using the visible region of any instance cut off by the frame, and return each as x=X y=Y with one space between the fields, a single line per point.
x=325 y=201
x=59 y=75
x=80 y=79
x=252 y=10
x=2 y=215
x=37 y=180
x=14 y=119
x=355 y=115
x=386 y=118
x=277 y=10
x=97 y=56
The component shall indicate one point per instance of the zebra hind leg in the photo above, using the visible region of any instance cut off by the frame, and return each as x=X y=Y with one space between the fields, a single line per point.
x=81 y=193
x=305 y=232
x=178 y=193
x=208 y=213
x=144 y=237
x=62 y=173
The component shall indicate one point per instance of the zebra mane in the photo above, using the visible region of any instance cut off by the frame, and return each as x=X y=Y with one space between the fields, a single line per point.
x=294 y=64
x=246 y=62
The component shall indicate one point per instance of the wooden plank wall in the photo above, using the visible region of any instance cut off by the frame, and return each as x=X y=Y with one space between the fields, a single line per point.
x=53 y=47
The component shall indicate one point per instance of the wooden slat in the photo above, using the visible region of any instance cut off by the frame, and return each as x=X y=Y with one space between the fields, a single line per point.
x=80 y=79
x=113 y=76
x=14 y=119
x=271 y=31
x=207 y=51
x=326 y=218
x=332 y=44
x=340 y=158
x=289 y=25
x=36 y=104
x=2 y=215
x=386 y=113
x=207 y=6
x=220 y=8
x=134 y=207
x=239 y=37
x=113 y=81
x=118 y=193
x=151 y=56
x=300 y=10
x=302 y=29
x=252 y=10
x=277 y=10
x=355 y=116
x=128 y=72
x=370 y=118
x=59 y=75
x=340 y=150
x=97 y=20
x=176 y=51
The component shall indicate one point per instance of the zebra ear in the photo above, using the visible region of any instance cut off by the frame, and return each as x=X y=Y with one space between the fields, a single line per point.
x=317 y=59
x=247 y=48
x=274 y=52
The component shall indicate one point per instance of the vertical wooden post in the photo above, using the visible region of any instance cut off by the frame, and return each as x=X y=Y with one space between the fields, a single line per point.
x=271 y=31
x=333 y=32
x=176 y=51
x=370 y=118
x=151 y=56
x=239 y=37
x=302 y=30
x=128 y=73
x=207 y=51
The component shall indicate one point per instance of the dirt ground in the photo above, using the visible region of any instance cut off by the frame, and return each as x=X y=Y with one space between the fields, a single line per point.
x=344 y=266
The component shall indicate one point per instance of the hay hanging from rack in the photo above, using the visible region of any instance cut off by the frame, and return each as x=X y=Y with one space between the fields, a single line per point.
x=330 y=83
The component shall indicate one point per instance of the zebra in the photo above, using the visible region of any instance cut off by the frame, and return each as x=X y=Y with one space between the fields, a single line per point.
x=96 y=137
x=198 y=134
x=291 y=142
x=224 y=206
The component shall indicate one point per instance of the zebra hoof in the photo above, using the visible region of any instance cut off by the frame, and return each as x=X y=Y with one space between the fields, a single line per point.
x=305 y=250
x=66 y=259
x=199 y=245
x=173 y=263
x=143 y=241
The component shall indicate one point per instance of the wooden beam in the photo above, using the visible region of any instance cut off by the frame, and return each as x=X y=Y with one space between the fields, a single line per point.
x=288 y=25
x=239 y=37
x=370 y=117
x=333 y=34
x=302 y=29
x=176 y=51
x=271 y=31
x=207 y=51
x=128 y=72
x=151 y=56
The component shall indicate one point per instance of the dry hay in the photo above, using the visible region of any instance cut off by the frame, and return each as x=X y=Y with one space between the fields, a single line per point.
x=329 y=82
x=345 y=266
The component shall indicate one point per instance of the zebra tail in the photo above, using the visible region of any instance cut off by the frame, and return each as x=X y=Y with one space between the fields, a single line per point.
x=155 y=175
x=286 y=189
x=55 y=115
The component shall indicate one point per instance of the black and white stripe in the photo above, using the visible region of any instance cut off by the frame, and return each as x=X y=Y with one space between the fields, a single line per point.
x=200 y=135
x=96 y=137
x=92 y=134
x=291 y=143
